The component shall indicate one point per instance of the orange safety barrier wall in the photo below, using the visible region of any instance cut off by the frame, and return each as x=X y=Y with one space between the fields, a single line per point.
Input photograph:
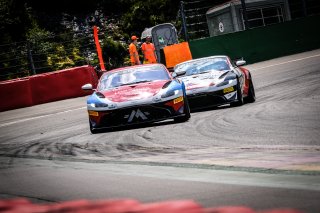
x=177 y=53
x=15 y=94
x=47 y=87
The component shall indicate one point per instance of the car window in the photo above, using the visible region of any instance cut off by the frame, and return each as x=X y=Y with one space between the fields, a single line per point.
x=133 y=76
x=203 y=66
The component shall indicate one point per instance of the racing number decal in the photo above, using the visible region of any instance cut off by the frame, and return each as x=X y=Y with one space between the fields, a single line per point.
x=137 y=114
x=227 y=90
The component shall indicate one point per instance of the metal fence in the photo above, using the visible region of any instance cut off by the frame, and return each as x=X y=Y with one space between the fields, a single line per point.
x=46 y=53
x=194 y=21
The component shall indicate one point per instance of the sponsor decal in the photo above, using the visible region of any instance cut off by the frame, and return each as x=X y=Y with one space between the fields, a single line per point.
x=177 y=100
x=231 y=95
x=93 y=113
x=228 y=89
x=137 y=114
x=131 y=91
x=221 y=27
x=156 y=99
x=112 y=106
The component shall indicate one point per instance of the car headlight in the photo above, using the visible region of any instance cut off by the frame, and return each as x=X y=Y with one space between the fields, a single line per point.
x=223 y=83
x=227 y=80
x=98 y=105
x=230 y=77
x=100 y=95
x=170 y=93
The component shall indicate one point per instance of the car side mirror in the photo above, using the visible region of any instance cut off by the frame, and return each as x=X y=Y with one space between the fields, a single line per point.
x=180 y=72
x=240 y=62
x=87 y=87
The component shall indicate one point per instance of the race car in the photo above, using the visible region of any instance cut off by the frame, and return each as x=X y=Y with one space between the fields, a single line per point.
x=135 y=95
x=215 y=80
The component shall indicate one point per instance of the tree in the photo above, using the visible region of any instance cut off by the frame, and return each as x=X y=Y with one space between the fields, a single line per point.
x=114 y=52
x=147 y=13
x=58 y=33
x=14 y=21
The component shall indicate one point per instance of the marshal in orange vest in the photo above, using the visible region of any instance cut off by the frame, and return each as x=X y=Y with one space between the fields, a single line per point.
x=148 y=50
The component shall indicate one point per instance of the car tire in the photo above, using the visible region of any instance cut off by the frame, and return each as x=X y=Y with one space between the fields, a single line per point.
x=239 y=101
x=187 y=115
x=251 y=93
x=92 y=130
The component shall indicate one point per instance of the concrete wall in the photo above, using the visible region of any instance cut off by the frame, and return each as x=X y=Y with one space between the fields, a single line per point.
x=263 y=43
x=46 y=87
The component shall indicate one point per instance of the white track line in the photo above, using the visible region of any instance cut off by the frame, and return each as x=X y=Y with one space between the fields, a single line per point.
x=38 y=117
x=287 y=62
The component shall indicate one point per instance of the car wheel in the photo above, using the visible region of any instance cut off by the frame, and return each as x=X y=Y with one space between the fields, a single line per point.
x=251 y=93
x=239 y=101
x=92 y=130
x=187 y=115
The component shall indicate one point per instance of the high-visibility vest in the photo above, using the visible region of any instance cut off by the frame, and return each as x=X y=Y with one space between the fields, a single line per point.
x=148 y=52
x=134 y=56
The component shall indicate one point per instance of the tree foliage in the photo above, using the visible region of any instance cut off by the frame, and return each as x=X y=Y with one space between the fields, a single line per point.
x=58 y=34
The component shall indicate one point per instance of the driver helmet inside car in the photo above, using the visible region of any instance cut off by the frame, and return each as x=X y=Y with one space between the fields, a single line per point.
x=128 y=77
x=221 y=65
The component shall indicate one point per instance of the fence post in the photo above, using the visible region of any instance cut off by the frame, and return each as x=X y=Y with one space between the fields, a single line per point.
x=304 y=8
x=184 y=24
x=33 y=69
x=244 y=13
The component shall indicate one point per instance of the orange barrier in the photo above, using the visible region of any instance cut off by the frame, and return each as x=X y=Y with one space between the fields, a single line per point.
x=123 y=206
x=177 y=53
x=47 y=87
x=15 y=94
x=99 y=50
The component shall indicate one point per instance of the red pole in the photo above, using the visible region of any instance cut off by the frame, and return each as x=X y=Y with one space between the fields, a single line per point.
x=99 y=51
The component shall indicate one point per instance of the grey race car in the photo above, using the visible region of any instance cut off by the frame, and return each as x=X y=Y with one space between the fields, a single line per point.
x=214 y=81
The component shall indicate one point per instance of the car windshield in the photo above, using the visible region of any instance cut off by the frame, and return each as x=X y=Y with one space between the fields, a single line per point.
x=203 y=66
x=133 y=75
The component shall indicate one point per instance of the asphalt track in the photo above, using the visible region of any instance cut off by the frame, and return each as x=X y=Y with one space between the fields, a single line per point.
x=262 y=155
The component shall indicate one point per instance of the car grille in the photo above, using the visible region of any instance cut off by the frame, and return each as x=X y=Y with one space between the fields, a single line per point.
x=206 y=100
x=136 y=115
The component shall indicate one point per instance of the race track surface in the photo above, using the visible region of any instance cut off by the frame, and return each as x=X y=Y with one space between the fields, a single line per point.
x=284 y=121
x=277 y=135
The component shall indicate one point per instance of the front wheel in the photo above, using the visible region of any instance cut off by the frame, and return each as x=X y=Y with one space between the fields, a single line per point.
x=92 y=130
x=239 y=101
x=187 y=115
x=251 y=93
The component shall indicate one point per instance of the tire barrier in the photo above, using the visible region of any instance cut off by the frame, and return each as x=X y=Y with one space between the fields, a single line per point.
x=124 y=206
x=47 y=87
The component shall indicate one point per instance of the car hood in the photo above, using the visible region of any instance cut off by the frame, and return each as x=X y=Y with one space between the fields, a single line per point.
x=202 y=80
x=134 y=92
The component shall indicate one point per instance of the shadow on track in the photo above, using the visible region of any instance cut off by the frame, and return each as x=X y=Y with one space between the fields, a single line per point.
x=160 y=123
x=135 y=126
